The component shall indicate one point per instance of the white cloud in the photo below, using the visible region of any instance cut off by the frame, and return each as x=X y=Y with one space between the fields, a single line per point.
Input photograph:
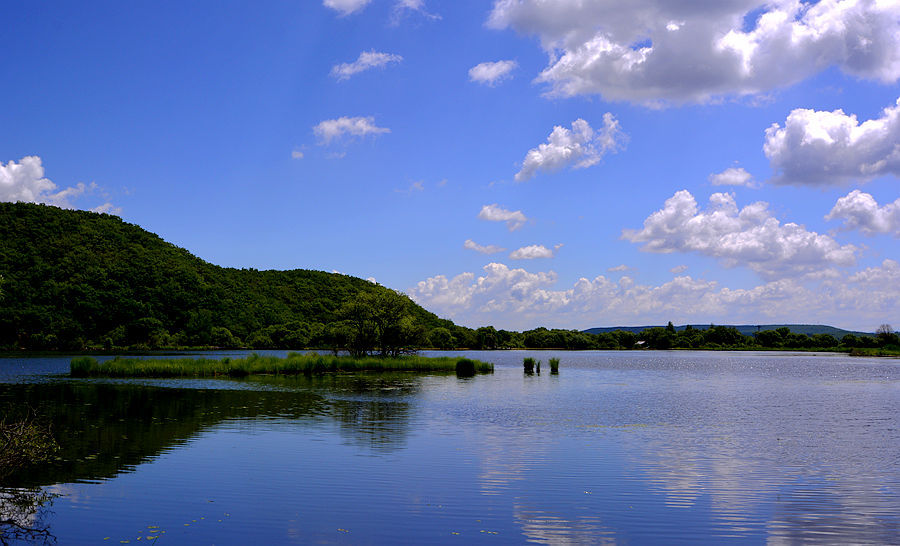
x=579 y=147
x=345 y=7
x=483 y=249
x=679 y=269
x=653 y=51
x=860 y=211
x=531 y=252
x=827 y=148
x=518 y=299
x=401 y=7
x=296 y=154
x=735 y=176
x=621 y=268
x=514 y=219
x=332 y=129
x=492 y=73
x=366 y=60
x=24 y=181
x=750 y=236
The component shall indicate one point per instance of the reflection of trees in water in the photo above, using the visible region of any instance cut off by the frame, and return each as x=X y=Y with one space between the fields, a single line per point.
x=105 y=428
x=21 y=516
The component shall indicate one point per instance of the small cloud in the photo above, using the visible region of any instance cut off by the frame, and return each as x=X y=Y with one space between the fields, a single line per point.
x=579 y=147
x=494 y=213
x=402 y=7
x=24 y=181
x=483 y=249
x=492 y=73
x=532 y=252
x=372 y=280
x=618 y=269
x=679 y=269
x=442 y=183
x=735 y=176
x=366 y=61
x=107 y=208
x=345 y=7
x=414 y=187
x=335 y=129
x=296 y=154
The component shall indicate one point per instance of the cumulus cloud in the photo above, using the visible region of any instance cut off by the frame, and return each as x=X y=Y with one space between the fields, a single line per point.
x=366 y=60
x=514 y=219
x=860 y=211
x=492 y=73
x=531 y=252
x=750 y=236
x=518 y=299
x=579 y=147
x=335 y=129
x=820 y=148
x=24 y=181
x=345 y=7
x=735 y=176
x=659 y=51
x=482 y=249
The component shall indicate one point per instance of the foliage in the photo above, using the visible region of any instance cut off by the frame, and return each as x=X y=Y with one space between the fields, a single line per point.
x=295 y=363
x=77 y=279
x=25 y=440
x=554 y=365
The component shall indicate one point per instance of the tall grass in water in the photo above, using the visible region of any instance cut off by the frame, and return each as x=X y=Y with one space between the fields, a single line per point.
x=294 y=364
x=529 y=364
x=554 y=365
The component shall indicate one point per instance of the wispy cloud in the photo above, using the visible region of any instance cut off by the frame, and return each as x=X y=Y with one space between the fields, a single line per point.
x=514 y=219
x=366 y=61
x=335 y=129
x=482 y=249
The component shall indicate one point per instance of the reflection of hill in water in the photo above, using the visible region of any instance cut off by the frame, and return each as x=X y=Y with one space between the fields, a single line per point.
x=107 y=428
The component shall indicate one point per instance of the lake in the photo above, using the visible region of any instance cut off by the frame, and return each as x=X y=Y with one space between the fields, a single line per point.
x=634 y=447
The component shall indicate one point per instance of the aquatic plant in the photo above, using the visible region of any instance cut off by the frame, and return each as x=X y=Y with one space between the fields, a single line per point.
x=554 y=365
x=465 y=367
x=529 y=363
x=294 y=364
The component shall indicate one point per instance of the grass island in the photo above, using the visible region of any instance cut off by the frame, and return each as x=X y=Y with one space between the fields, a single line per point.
x=293 y=364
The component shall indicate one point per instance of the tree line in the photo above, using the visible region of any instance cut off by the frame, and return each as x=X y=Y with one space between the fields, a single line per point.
x=77 y=280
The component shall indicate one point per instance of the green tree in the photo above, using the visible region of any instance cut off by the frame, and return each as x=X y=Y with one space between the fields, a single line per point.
x=441 y=338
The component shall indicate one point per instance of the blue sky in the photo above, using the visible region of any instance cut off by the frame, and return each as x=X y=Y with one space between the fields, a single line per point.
x=517 y=163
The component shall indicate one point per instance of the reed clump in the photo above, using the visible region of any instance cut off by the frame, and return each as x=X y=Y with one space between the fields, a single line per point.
x=554 y=365
x=294 y=364
x=529 y=364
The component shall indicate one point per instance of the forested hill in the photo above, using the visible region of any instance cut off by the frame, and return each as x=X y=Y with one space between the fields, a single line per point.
x=72 y=279
x=744 y=329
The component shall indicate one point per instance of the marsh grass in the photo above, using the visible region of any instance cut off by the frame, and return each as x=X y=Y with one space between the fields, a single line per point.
x=294 y=364
x=554 y=365
x=529 y=364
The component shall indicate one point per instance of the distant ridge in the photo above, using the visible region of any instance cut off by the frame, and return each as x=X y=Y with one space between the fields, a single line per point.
x=745 y=329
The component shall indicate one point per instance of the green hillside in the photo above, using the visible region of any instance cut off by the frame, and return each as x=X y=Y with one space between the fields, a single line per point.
x=74 y=279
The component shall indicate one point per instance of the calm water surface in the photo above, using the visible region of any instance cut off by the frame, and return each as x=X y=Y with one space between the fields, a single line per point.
x=620 y=447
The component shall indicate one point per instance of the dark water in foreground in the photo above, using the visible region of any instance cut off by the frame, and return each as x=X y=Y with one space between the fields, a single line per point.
x=636 y=447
